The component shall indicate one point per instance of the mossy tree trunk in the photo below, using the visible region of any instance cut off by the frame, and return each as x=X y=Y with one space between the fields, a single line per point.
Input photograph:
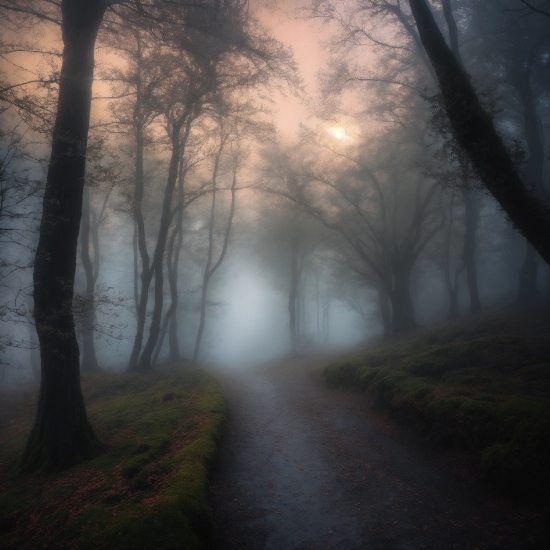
x=475 y=133
x=62 y=435
x=469 y=196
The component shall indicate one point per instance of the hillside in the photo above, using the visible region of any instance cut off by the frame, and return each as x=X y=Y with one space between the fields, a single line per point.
x=481 y=383
x=146 y=490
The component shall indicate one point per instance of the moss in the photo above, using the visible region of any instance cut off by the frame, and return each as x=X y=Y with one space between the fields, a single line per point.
x=338 y=375
x=481 y=384
x=367 y=375
x=520 y=465
x=148 y=490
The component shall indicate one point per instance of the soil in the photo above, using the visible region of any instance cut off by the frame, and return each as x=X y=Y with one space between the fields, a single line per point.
x=304 y=466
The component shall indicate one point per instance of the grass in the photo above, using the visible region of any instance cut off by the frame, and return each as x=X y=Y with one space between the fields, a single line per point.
x=482 y=383
x=147 y=490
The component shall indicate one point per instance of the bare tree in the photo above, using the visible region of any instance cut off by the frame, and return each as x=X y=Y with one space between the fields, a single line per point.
x=62 y=435
x=225 y=134
x=182 y=106
x=103 y=175
x=19 y=218
x=388 y=238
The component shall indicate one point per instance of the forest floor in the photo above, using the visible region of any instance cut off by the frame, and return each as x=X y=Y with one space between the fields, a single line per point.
x=305 y=465
x=146 y=490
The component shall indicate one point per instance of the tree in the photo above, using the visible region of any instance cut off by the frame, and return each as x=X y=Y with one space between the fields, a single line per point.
x=229 y=57
x=387 y=214
x=62 y=435
x=19 y=200
x=183 y=105
x=225 y=135
x=285 y=242
x=102 y=174
x=518 y=49
x=476 y=134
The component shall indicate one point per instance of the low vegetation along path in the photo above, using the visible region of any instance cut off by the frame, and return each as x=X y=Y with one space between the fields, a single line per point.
x=305 y=466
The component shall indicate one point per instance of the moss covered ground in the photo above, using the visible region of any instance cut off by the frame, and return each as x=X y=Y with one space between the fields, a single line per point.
x=146 y=490
x=481 y=383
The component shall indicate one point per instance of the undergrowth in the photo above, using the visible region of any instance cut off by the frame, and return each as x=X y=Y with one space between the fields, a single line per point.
x=147 y=490
x=482 y=383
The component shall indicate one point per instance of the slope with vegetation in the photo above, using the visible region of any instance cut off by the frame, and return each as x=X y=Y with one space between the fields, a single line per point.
x=481 y=383
x=146 y=490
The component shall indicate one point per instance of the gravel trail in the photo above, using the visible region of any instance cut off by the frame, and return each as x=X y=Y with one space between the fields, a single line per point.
x=307 y=467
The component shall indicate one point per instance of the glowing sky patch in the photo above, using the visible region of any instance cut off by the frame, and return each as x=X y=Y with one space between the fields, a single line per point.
x=339 y=133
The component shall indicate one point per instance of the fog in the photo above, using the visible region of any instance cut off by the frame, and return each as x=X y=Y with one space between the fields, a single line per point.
x=319 y=200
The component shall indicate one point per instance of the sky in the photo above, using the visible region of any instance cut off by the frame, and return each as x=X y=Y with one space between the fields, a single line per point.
x=286 y=22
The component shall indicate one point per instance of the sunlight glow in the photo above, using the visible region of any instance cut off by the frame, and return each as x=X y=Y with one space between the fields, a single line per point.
x=339 y=133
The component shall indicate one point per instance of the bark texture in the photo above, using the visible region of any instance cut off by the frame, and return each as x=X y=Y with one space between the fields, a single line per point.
x=62 y=435
x=476 y=134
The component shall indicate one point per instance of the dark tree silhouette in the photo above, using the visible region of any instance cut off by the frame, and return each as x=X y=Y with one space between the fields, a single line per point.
x=62 y=435
x=476 y=134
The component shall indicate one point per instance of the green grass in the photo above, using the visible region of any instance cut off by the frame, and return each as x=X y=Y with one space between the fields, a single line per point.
x=482 y=383
x=147 y=490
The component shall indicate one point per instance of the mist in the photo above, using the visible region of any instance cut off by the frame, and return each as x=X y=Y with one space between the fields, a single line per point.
x=274 y=274
x=324 y=151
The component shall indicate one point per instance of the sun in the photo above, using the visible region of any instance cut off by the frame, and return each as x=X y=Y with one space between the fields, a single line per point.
x=339 y=133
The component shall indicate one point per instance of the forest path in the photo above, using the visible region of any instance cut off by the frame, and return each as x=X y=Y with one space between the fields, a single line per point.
x=307 y=467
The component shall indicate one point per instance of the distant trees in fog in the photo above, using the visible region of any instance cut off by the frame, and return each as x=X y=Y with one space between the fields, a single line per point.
x=177 y=61
x=506 y=50
x=20 y=190
x=387 y=185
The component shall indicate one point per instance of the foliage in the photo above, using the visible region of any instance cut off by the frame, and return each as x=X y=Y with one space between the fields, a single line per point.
x=147 y=490
x=481 y=383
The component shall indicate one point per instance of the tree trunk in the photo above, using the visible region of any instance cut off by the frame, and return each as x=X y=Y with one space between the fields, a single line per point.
x=146 y=272
x=293 y=291
x=385 y=311
x=452 y=28
x=172 y=261
x=136 y=271
x=62 y=435
x=174 y=353
x=89 y=359
x=157 y=264
x=302 y=282
x=402 y=307
x=476 y=134
x=528 y=275
x=170 y=324
x=469 y=249
x=519 y=75
x=450 y=284
x=34 y=352
x=317 y=303
x=326 y=320
x=209 y=271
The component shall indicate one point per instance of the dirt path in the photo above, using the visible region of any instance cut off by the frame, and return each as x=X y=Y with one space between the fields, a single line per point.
x=302 y=466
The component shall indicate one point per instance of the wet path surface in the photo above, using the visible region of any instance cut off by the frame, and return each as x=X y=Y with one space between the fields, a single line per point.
x=303 y=466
